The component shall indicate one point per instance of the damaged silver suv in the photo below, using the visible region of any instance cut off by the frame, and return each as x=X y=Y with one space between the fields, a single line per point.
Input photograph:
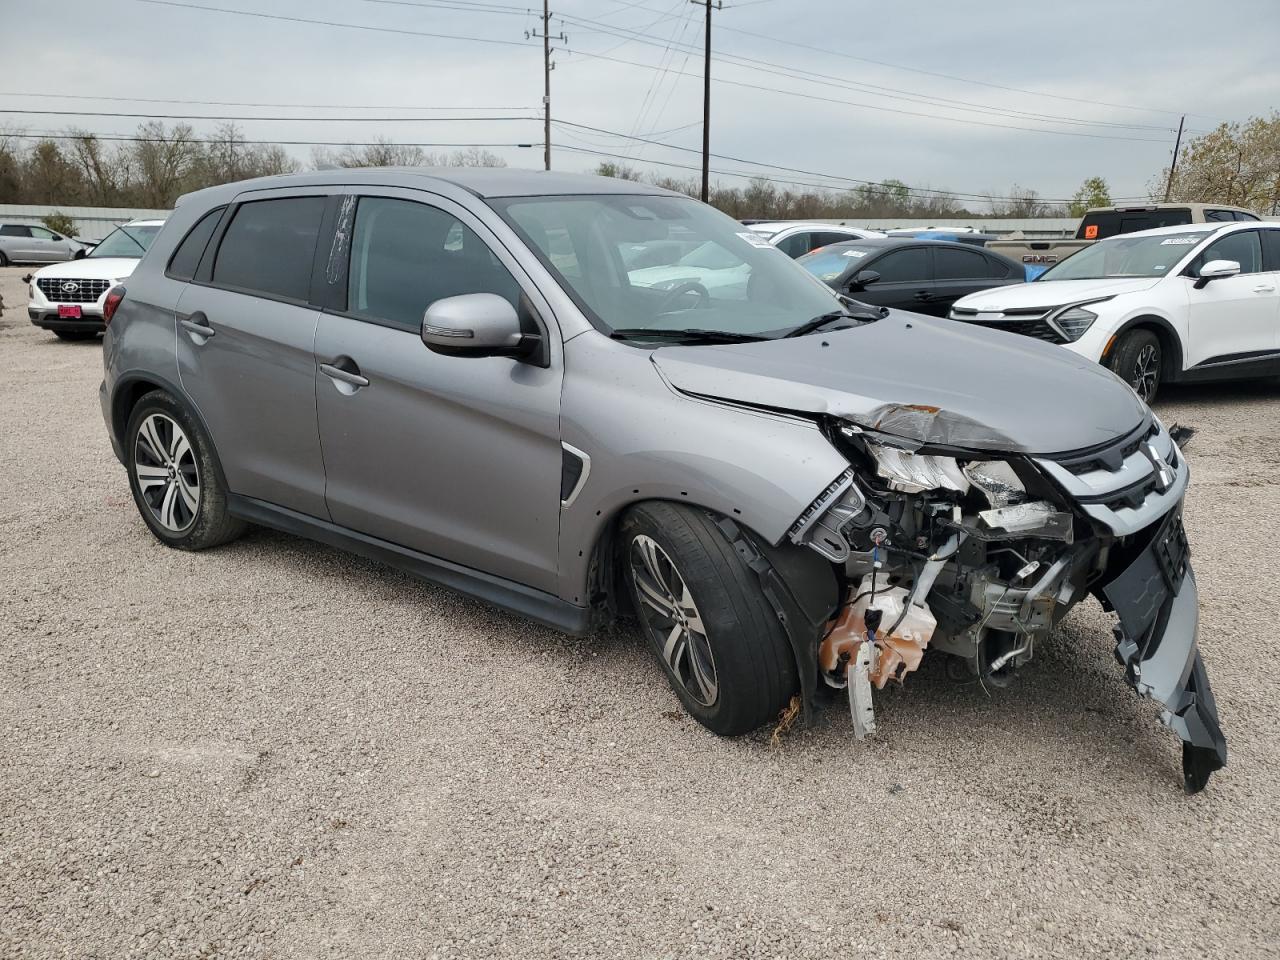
x=577 y=398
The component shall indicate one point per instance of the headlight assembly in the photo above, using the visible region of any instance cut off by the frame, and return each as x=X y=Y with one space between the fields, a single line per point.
x=917 y=472
x=1073 y=322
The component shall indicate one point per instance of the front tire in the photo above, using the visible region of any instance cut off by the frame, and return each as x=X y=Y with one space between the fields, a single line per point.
x=1137 y=360
x=4 y=261
x=176 y=483
x=702 y=610
x=74 y=336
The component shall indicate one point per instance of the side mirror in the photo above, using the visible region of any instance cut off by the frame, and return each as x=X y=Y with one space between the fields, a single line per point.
x=476 y=325
x=1216 y=270
x=57 y=237
x=862 y=278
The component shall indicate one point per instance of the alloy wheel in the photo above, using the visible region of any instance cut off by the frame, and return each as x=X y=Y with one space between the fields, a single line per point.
x=164 y=465
x=1146 y=371
x=672 y=620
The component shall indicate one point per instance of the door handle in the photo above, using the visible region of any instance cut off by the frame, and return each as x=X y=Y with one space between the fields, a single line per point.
x=924 y=296
x=351 y=378
x=197 y=324
x=1264 y=288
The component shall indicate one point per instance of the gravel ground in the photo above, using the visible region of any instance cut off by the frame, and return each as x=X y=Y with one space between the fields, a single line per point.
x=276 y=750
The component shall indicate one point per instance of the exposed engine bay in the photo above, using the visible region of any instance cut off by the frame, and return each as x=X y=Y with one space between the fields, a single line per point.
x=978 y=557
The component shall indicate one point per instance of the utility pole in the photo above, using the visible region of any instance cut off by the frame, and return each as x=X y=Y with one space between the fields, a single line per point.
x=706 y=103
x=1177 y=145
x=547 y=67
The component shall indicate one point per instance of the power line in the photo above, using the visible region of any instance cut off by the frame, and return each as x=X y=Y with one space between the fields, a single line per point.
x=240 y=103
x=870 y=106
x=641 y=36
x=339 y=24
x=127 y=138
x=332 y=23
x=182 y=116
x=785 y=169
x=828 y=79
x=1038 y=94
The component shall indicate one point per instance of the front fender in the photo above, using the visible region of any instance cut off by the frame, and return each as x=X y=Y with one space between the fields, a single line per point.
x=648 y=441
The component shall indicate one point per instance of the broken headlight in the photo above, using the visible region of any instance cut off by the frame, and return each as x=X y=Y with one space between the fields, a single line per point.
x=917 y=472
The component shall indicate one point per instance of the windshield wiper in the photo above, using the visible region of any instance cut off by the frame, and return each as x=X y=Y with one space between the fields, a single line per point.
x=817 y=323
x=693 y=336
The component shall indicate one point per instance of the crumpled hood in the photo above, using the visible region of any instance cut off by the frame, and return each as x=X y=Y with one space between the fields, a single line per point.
x=928 y=380
x=1051 y=293
x=91 y=268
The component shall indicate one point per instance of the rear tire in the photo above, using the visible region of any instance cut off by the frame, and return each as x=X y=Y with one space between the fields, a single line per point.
x=702 y=610
x=76 y=335
x=4 y=261
x=1137 y=360
x=175 y=477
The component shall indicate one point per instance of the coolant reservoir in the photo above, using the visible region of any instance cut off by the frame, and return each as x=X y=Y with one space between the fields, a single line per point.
x=899 y=653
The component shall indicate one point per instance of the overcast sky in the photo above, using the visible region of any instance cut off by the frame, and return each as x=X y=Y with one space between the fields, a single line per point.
x=1082 y=60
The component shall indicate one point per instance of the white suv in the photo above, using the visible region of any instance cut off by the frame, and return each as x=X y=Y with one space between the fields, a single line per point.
x=1175 y=304
x=67 y=298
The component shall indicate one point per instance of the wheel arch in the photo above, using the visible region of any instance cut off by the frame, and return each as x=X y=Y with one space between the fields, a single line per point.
x=1171 y=351
x=807 y=574
x=132 y=387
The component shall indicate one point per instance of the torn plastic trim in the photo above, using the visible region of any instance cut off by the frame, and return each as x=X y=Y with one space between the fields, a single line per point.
x=802 y=590
x=1158 y=605
x=822 y=524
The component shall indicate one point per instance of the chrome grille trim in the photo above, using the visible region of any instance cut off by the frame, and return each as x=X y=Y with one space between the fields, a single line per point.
x=1130 y=497
x=86 y=291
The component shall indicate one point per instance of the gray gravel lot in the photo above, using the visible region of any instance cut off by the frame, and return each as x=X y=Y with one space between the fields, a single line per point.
x=276 y=750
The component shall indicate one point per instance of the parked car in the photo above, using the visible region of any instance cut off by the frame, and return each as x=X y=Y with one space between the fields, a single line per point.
x=27 y=243
x=707 y=264
x=1099 y=223
x=924 y=276
x=795 y=238
x=1186 y=303
x=68 y=298
x=955 y=234
x=451 y=371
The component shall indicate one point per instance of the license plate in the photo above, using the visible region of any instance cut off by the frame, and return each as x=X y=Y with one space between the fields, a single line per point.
x=69 y=311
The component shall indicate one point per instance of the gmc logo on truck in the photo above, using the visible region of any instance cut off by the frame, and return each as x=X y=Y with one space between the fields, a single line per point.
x=1040 y=258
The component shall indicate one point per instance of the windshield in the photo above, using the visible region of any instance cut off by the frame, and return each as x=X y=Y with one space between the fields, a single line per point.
x=665 y=263
x=827 y=263
x=1125 y=256
x=126 y=241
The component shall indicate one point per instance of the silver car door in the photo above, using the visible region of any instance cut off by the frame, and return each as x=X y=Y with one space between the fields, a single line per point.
x=244 y=337
x=456 y=457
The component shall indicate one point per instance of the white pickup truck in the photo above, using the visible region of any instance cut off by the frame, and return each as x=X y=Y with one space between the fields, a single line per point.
x=1037 y=256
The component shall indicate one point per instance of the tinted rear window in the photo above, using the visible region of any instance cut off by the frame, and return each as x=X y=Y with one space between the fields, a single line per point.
x=961 y=264
x=1270 y=250
x=182 y=266
x=1099 y=226
x=269 y=246
x=903 y=266
x=13 y=230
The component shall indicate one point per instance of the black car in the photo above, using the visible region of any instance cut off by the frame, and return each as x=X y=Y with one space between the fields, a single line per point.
x=924 y=276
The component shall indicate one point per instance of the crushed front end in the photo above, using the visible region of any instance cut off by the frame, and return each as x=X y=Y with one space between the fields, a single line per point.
x=980 y=555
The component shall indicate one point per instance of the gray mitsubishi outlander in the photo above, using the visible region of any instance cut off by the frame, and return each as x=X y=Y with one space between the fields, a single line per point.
x=579 y=398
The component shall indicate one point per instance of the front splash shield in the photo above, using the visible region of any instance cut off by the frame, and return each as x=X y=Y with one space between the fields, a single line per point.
x=1158 y=604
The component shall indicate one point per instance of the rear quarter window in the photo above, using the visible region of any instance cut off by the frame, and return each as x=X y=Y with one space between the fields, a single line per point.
x=269 y=247
x=183 y=263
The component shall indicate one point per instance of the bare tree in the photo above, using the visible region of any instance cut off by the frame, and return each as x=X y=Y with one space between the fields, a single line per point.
x=165 y=161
